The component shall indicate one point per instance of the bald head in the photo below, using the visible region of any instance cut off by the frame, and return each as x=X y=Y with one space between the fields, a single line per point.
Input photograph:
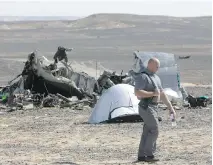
x=153 y=65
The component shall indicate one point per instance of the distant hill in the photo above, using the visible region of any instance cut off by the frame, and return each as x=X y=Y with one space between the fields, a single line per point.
x=137 y=23
x=110 y=21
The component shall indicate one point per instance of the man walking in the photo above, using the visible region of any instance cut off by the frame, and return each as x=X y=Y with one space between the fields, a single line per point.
x=149 y=90
x=61 y=54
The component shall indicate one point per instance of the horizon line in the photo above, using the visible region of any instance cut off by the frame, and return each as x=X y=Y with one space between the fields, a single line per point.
x=102 y=14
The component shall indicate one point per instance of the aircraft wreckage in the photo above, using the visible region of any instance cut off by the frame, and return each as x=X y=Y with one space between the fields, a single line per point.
x=41 y=76
x=44 y=83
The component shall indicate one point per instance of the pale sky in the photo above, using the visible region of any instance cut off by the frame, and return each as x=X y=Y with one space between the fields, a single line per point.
x=87 y=7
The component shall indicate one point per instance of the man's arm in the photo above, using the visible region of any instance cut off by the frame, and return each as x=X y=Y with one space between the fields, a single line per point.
x=166 y=101
x=144 y=94
x=164 y=98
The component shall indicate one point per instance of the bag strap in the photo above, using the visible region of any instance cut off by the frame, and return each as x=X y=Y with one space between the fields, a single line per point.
x=150 y=79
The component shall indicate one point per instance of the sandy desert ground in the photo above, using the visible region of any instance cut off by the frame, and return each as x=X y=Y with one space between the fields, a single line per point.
x=62 y=136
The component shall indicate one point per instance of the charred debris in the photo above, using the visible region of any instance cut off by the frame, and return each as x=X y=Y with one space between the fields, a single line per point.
x=44 y=83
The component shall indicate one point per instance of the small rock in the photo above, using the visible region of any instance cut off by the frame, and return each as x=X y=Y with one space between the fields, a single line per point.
x=12 y=109
x=177 y=108
x=2 y=113
x=159 y=118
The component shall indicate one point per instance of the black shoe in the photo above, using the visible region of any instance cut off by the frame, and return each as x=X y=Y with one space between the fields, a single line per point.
x=142 y=158
x=151 y=159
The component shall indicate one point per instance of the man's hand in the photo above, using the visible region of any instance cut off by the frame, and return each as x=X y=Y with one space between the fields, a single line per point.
x=172 y=111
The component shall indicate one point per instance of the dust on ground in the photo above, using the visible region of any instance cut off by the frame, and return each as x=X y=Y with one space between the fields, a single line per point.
x=62 y=136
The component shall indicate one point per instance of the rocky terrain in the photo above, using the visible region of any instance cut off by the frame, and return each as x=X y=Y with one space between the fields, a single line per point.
x=62 y=136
